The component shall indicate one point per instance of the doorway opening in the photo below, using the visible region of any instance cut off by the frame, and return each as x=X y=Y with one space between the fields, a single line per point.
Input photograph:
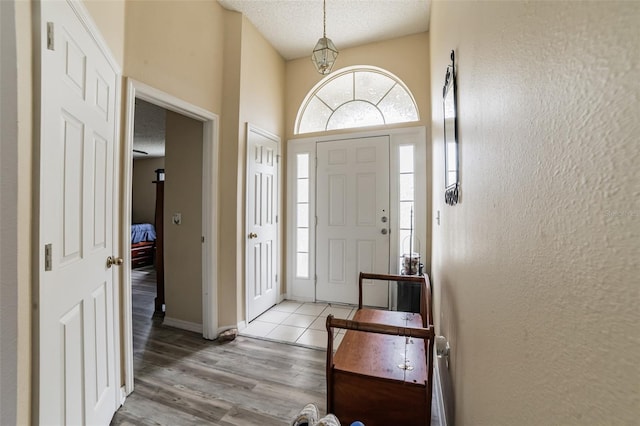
x=191 y=211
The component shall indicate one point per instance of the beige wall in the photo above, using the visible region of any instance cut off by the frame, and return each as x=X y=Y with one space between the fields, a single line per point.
x=536 y=269
x=262 y=91
x=109 y=16
x=144 y=190
x=163 y=50
x=253 y=93
x=230 y=231
x=177 y=47
x=183 y=194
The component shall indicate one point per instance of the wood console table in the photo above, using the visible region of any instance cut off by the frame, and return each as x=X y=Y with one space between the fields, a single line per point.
x=382 y=372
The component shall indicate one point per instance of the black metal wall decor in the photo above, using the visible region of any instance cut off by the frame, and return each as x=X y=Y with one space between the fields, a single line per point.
x=450 y=109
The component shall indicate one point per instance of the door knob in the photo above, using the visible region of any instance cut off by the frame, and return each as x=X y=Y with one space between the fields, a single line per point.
x=253 y=235
x=384 y=231
x=114 y=261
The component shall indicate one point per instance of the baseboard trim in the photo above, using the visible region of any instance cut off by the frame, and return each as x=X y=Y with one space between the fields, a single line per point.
x=439 y=395
x=302 y=299
x=184 y=325
x=242 y=325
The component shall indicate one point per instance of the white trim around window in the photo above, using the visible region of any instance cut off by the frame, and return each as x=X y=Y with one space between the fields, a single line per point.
x=301 y=286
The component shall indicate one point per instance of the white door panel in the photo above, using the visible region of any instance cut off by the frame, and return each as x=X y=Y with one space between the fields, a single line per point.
x=262 y=227
x=77 y=377
x=352 y=199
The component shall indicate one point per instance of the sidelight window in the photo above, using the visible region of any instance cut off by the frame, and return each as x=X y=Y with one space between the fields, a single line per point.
x=302 y=216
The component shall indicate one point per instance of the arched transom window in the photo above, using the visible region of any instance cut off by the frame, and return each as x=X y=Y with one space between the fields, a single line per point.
x=356 y=97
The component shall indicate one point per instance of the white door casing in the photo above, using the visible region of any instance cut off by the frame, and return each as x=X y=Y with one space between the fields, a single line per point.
x=353 y=218
x=210 y=329
x=262 y=221
x=77 y=365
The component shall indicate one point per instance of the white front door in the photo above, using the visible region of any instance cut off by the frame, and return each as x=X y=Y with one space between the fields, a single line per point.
x=262 y=226
x=78 y=382
x=352 y=209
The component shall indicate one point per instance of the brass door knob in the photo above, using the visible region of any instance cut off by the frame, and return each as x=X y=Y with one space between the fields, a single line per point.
x=114 y=261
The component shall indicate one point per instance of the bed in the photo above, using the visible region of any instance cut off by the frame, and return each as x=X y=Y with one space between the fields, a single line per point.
x=143 y=242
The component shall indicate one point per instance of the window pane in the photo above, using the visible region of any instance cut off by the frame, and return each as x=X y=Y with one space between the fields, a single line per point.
x=355 y=114
x=406 y=187
x=303 y=165
x=303 y=240
x=315 y=117
x=303 y=190
x=451 y=178
x=303 y=215
x=406 y=159
x=405 y=214
x=398 y=107
x=372 y=86
x=302 y=265
x=404 y=242
x=452 y=154
x=339 y=91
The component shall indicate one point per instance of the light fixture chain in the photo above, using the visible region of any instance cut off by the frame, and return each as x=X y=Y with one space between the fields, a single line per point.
x=324 y=18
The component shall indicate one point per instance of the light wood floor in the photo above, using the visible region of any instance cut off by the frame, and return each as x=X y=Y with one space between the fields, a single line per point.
x=183 y=379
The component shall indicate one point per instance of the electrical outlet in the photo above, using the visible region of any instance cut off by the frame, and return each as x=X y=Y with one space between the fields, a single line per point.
x=177 y=218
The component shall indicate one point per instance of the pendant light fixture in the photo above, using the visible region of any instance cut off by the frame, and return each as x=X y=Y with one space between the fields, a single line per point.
x=324 y=53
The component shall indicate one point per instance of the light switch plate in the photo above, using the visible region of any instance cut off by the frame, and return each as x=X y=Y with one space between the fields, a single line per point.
x=177 y=218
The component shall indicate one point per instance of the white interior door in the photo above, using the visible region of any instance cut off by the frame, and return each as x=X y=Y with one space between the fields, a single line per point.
x=262 y=226
x=78 y=381
x=352 y=233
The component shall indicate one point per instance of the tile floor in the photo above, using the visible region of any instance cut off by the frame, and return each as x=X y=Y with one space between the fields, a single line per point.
x=299 y=323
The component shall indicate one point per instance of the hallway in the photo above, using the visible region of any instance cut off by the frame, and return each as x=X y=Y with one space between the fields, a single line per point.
x=182 y=379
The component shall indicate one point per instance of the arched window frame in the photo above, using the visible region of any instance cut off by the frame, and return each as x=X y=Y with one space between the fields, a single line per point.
x=328 y=80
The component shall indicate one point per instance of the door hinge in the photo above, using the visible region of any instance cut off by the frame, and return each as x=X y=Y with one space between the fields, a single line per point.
x=47 y=257
x=278 y=158
x=50 y=36
x=202 y=239
x=316 y=220
x=276 y=277
x=276 y=218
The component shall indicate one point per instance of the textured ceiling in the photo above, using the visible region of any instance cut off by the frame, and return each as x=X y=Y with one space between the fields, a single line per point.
x=294 y=26
x=148 y=130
